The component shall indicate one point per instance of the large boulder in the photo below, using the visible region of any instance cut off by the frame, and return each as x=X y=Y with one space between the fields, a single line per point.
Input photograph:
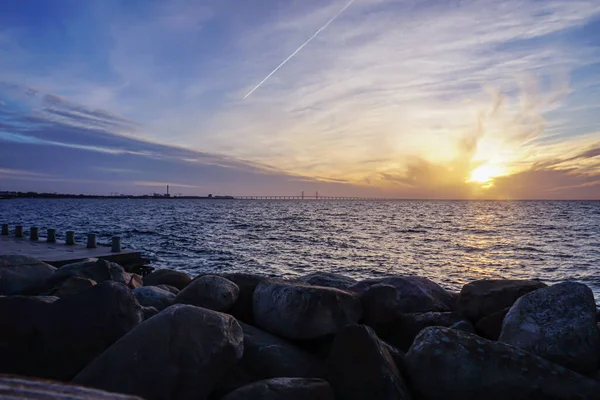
x=73 y=285
x=56 y=340
x=181 y=353
x=557 y=323
x=329 y=279
x=444 y=363
x=153 y=296
x=149 y=312
x=360 y=367
x=169 y=288
x=22 y=274
x=267 y=356
x=21 y=388
x=404 y=328
x=481 y=298
x=298 y=311
x=413 y=293
x=490 y=326
x=94 y=269
x=209 y=291
x=284 y=389
x=242 y=309
x=169 y=277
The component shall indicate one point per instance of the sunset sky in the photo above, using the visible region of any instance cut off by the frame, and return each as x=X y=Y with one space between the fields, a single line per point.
x=390 y=98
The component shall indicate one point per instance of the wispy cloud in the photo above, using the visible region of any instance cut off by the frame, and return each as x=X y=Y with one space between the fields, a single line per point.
x=404 y=96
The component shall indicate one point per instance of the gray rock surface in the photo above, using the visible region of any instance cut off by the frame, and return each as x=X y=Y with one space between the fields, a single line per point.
x=56 y=340
x=268 y=356
x=94 y=269
x=210 y=291
x=481 y=298
x=415 y=293
x=22 y=388
x=169 y=288
x=242 y=309
x=464 y=326
x=298 y=311
x=444 y=363
x=402 y=331
x=329 y=279
x=490 y=326
x=557 y=323
x=22 y=274
x=169 y=277
x=149 y=312
x=73 y=285
x=153 y=296
x=284 y=389
x=360 y=367
x=181 y=353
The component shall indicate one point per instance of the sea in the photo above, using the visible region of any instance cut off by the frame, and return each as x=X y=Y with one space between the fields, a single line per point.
x=450 y=242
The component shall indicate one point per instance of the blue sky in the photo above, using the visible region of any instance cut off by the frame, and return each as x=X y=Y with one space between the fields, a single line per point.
x=395 y=98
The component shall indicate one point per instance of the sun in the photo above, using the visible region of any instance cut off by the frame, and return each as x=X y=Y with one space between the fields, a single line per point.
x=484 y=174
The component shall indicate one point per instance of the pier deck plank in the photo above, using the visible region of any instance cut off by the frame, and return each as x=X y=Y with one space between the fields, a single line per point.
x=59 y=254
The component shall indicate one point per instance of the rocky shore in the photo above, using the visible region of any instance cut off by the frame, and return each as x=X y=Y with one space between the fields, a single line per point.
x=92 y=330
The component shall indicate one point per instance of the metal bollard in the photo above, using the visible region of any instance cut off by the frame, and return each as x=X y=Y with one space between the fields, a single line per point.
x=4 y=229
x=51 y=236
x=19 y=231
x=70 y=238
x=91 y=243
x=116 y=244
x=34 y=233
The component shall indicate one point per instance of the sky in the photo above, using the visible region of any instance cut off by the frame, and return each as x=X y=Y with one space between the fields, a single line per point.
x=428 y=99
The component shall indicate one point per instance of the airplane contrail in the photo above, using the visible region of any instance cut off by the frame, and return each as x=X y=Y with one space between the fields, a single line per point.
x=321 y=29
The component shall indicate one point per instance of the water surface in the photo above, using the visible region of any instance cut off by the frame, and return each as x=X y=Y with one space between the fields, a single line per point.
x=451 y=242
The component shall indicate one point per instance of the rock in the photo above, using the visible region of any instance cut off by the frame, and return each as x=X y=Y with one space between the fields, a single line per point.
x=17 y=387
x=481 y=298
x=73 y=285
x=402 y=331
x=209 y=291
x=149 y=312
x=490 y=326
x=242 y=309
x=464 y=326
x=381 y=304
x=284 y=389
x=56 y=340
x=302 y=311
x=267 y=356
x=22 y=274
x=153 y=296
x=181 y=353
x=361 y=367
x=557 y=323
x=167 y=277
x=95 y=269
x=328 y=279
x=169 y=288
x=445 y=363
x=135 y=281
x=415 y=293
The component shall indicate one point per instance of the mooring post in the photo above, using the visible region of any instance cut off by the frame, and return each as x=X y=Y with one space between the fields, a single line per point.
x=4 y=229
x=91 y=243
x=70 y=238
x=19 y=231
x=116 y=244
x=34 y=233
x=51 y=236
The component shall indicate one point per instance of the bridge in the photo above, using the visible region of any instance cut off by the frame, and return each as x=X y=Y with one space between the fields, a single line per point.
x=316 y=196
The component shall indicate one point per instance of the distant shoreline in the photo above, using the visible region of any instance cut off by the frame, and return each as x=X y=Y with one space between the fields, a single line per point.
x=20 y=195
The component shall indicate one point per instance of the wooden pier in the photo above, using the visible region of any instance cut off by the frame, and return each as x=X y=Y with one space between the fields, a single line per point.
x=59 y=253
